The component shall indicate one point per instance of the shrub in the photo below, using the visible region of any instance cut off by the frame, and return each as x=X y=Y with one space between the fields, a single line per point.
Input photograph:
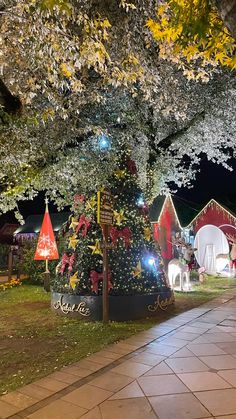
x=34 y=269
x=4 y=251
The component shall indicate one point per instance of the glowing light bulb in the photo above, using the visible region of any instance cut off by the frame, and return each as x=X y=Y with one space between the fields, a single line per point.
x=104 y=143
x=151 y=261
x=140 y=201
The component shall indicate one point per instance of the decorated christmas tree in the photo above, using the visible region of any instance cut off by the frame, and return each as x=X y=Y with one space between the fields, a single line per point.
x=135 y=265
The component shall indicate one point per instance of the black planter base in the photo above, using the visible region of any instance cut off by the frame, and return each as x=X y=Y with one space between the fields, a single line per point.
x=121 y=308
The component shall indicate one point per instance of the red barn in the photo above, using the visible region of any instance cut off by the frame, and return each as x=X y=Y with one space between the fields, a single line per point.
x=166 y=225
x=168 y=216
x=215 y=214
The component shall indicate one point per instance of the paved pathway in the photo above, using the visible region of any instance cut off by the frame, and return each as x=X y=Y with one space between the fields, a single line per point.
x=184 y=368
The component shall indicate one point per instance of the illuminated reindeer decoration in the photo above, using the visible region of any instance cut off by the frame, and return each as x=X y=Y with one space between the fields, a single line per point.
x=225 y=258
x=177 y=268
x=232 y=240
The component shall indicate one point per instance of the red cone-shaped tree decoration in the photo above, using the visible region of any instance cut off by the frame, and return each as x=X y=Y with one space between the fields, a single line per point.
x=46 y=247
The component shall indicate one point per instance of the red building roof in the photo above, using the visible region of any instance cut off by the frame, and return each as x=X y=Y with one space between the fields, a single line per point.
x=215 y=214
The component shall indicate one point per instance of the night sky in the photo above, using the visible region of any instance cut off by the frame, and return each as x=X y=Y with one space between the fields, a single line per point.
x=213 y=181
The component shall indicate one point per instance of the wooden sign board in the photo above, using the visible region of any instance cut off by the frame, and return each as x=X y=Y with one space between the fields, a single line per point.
x=105 y=208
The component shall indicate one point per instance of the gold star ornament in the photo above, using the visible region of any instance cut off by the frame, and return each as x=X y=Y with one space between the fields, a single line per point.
x=96 y=248
x=74 y=280
x=119 y=217
x=120 y=174
x=73 y=223
x=137 y=271
x=147 y=234
x=91 y=203
x=73 y=241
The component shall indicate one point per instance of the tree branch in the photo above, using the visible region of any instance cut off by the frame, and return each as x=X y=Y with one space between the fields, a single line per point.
x=227 y=11
x=11 y=104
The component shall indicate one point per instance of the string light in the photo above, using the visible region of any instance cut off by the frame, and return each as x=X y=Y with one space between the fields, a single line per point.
x=104 y=143
x=140 y=201
x=211 y=203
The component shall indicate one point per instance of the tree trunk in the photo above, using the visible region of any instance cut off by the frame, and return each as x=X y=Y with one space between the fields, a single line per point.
x=227 y=11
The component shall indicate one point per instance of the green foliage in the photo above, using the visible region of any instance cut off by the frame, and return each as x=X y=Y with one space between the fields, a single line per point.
x=34 y=268
x=62 y=5
x=27 y=265
x=196 y=17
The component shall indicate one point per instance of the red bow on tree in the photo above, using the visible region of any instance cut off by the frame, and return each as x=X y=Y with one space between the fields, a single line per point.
x=67 y=260
x=124 y=234
x=95 y=277
x=79 y=198
x=85 y=223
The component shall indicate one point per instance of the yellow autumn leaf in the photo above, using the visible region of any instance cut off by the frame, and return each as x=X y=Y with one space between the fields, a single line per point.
x=106 y=23
x=65 y=70
x=220 y=56
x=162 y=9
x=190 y=33
x=56 y=46
x=190 y=51
x=232 y=62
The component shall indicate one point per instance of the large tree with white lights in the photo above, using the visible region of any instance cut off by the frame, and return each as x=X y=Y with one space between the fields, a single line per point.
x=75 y=70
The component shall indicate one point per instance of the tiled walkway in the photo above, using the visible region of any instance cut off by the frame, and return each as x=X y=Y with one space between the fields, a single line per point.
x=184 y=368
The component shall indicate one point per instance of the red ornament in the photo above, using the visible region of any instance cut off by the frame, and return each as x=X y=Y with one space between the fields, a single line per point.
x=131 y=166
x=144 y=210
x=46 y=247
x=95 y=277
x=124 y=234
x=85 y=223
x=67 y=260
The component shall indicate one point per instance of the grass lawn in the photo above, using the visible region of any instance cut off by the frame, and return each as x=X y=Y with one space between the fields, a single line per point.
x=35 y=342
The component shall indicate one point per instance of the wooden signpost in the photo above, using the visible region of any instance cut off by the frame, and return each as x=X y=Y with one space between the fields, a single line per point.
x=105 y=219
